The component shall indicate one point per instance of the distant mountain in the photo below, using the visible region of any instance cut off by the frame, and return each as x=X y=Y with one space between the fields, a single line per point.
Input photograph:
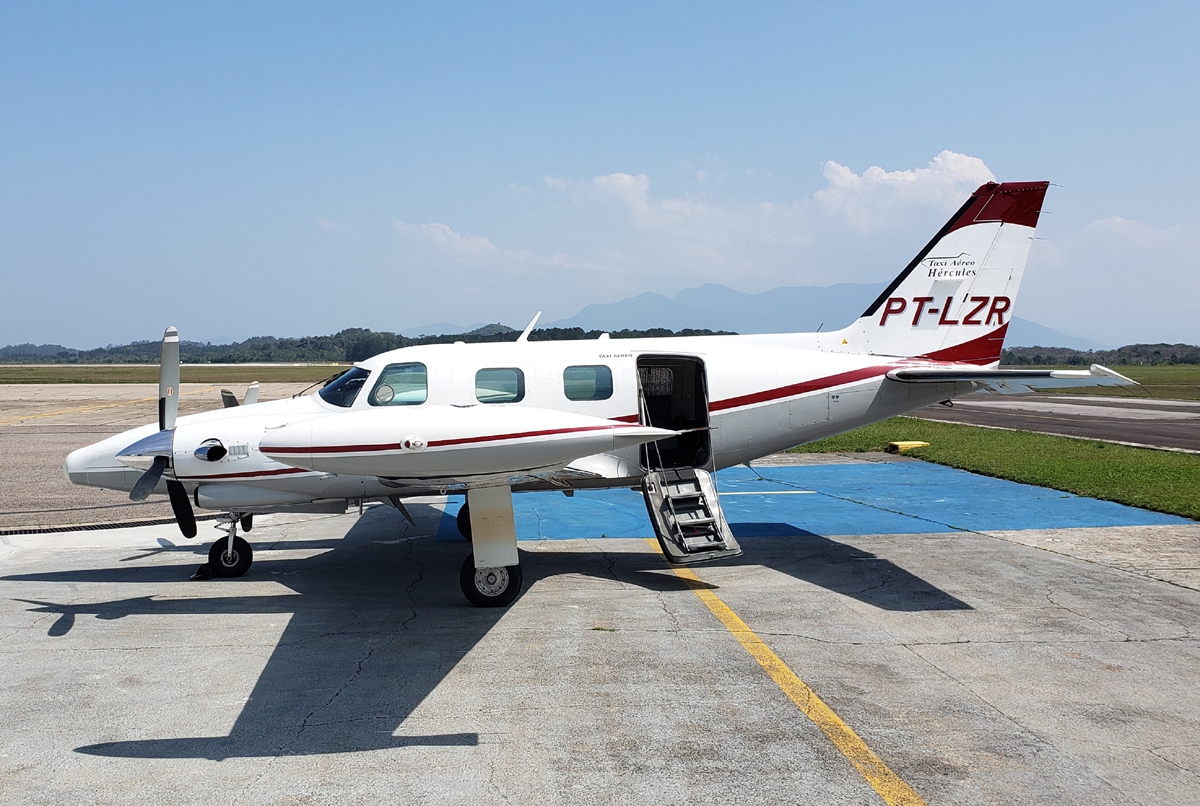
x=1023 y=333
x=781 y=310
x=790 y=309
x=436 y=329
x=34 y=350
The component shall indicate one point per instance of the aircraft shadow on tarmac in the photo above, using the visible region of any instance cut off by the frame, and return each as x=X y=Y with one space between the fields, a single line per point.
x=840 y=568
x=372 y=632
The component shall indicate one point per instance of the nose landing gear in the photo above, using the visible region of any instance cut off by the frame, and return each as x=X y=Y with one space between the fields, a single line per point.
x=230 y=559
x=229 y=556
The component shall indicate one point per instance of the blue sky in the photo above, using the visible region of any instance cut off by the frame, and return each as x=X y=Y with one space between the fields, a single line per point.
x=299 y=168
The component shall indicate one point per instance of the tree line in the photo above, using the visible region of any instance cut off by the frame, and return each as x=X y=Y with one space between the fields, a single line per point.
x=358 y=344
x=352 y=344
x=1129 y=354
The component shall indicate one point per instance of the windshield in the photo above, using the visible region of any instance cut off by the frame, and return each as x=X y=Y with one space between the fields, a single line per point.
x=342 y=390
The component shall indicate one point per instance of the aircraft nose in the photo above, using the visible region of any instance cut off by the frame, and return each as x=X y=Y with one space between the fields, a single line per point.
x=75 y=466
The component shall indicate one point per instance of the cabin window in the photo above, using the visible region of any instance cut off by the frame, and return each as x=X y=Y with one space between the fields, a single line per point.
x=592 y=382
x=342 y=390
x=401 y=385
x=506 y=385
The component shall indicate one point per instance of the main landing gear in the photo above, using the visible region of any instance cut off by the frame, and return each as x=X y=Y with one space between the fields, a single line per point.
x=463 y=522
x=486 y=520
x=229 y=556
x=489 y=587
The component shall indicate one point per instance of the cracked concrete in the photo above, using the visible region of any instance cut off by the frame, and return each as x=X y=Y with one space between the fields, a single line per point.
x=982 y=667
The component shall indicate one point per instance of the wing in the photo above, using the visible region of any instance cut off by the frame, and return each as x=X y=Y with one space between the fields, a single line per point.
x=1013 y=381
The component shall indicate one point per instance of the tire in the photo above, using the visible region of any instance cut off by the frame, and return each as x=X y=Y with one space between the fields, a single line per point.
x=489 y=587
x=247 y=522
x=463 y=521
x=231 y=566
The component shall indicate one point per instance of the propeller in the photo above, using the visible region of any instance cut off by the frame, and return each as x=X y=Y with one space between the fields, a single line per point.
x=168 y=380
x=149 y=480
x=154 y=452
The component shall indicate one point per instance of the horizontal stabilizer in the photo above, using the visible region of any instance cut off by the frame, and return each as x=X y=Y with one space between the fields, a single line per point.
x=1014 y=381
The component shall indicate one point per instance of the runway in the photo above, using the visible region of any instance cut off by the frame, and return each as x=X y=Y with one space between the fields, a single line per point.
x=41 y=423
x=988 y=642
x=1173 y=424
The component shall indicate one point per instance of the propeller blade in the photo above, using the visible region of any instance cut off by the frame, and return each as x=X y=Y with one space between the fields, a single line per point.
x=228 y=399
x=182 y=507
x=149 y=480
x=251 y=395
x=168 y=380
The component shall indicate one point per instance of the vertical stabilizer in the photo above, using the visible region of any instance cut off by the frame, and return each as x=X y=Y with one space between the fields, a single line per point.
x=954 y=301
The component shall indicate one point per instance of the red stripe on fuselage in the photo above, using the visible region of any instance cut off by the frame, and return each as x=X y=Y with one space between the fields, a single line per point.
x=436 y=443
x=801 y=388
x=287 y=471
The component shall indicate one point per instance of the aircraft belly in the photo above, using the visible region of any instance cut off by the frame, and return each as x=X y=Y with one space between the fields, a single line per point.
x=458 y=462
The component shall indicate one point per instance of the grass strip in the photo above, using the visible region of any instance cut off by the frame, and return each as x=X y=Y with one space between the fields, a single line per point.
x=148 y=373
x=1155 y=480
x=1173 y=381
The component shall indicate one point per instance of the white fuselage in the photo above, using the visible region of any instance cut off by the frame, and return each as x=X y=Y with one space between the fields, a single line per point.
x=765 y=393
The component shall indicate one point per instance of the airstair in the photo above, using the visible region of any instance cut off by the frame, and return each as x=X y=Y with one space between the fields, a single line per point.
x=686 y=514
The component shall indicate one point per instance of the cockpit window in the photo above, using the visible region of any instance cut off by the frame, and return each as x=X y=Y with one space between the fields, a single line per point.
x=342 y=390
x=401 y=385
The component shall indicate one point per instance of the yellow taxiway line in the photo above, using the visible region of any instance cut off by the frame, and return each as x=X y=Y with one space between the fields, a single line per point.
x=890 y=786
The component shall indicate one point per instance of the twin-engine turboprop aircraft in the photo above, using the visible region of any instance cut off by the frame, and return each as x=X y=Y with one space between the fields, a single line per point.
x=488 y=420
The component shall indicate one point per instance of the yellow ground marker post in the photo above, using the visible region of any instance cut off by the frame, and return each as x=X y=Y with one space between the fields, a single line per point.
x=901 y=446
x=891 y=788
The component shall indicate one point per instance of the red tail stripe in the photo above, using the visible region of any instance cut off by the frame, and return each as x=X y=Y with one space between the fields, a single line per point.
x=983 y=350
x=1010 y=202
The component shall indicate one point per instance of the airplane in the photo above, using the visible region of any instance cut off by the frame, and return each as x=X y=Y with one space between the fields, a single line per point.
x=661 y=415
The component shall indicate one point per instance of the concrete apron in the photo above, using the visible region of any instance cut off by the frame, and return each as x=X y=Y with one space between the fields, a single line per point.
x=979 y=666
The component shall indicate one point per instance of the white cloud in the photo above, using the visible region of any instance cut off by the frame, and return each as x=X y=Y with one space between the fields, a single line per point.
x=331 y=225
x=868 y=200
x=1117 y=281
x=578 y=241
x=442 y=237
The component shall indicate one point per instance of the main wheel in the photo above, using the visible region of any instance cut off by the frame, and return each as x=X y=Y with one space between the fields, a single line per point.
x=463 y=521
x=230 y=564
x=489 y=587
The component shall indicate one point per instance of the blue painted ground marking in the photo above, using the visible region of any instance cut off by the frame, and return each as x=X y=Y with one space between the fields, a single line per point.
x=850 y=499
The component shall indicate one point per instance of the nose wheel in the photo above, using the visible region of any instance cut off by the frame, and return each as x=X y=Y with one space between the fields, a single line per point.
x=489 y=587
x=229 y=556
x=230 y=561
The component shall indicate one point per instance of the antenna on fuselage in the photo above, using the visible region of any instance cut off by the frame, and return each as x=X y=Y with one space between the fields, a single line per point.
x=529 y=328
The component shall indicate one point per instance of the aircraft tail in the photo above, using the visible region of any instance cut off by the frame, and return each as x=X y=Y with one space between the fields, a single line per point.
x=954 y=301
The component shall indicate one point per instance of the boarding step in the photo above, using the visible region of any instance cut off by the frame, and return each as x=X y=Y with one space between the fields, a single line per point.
x=686 y=514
